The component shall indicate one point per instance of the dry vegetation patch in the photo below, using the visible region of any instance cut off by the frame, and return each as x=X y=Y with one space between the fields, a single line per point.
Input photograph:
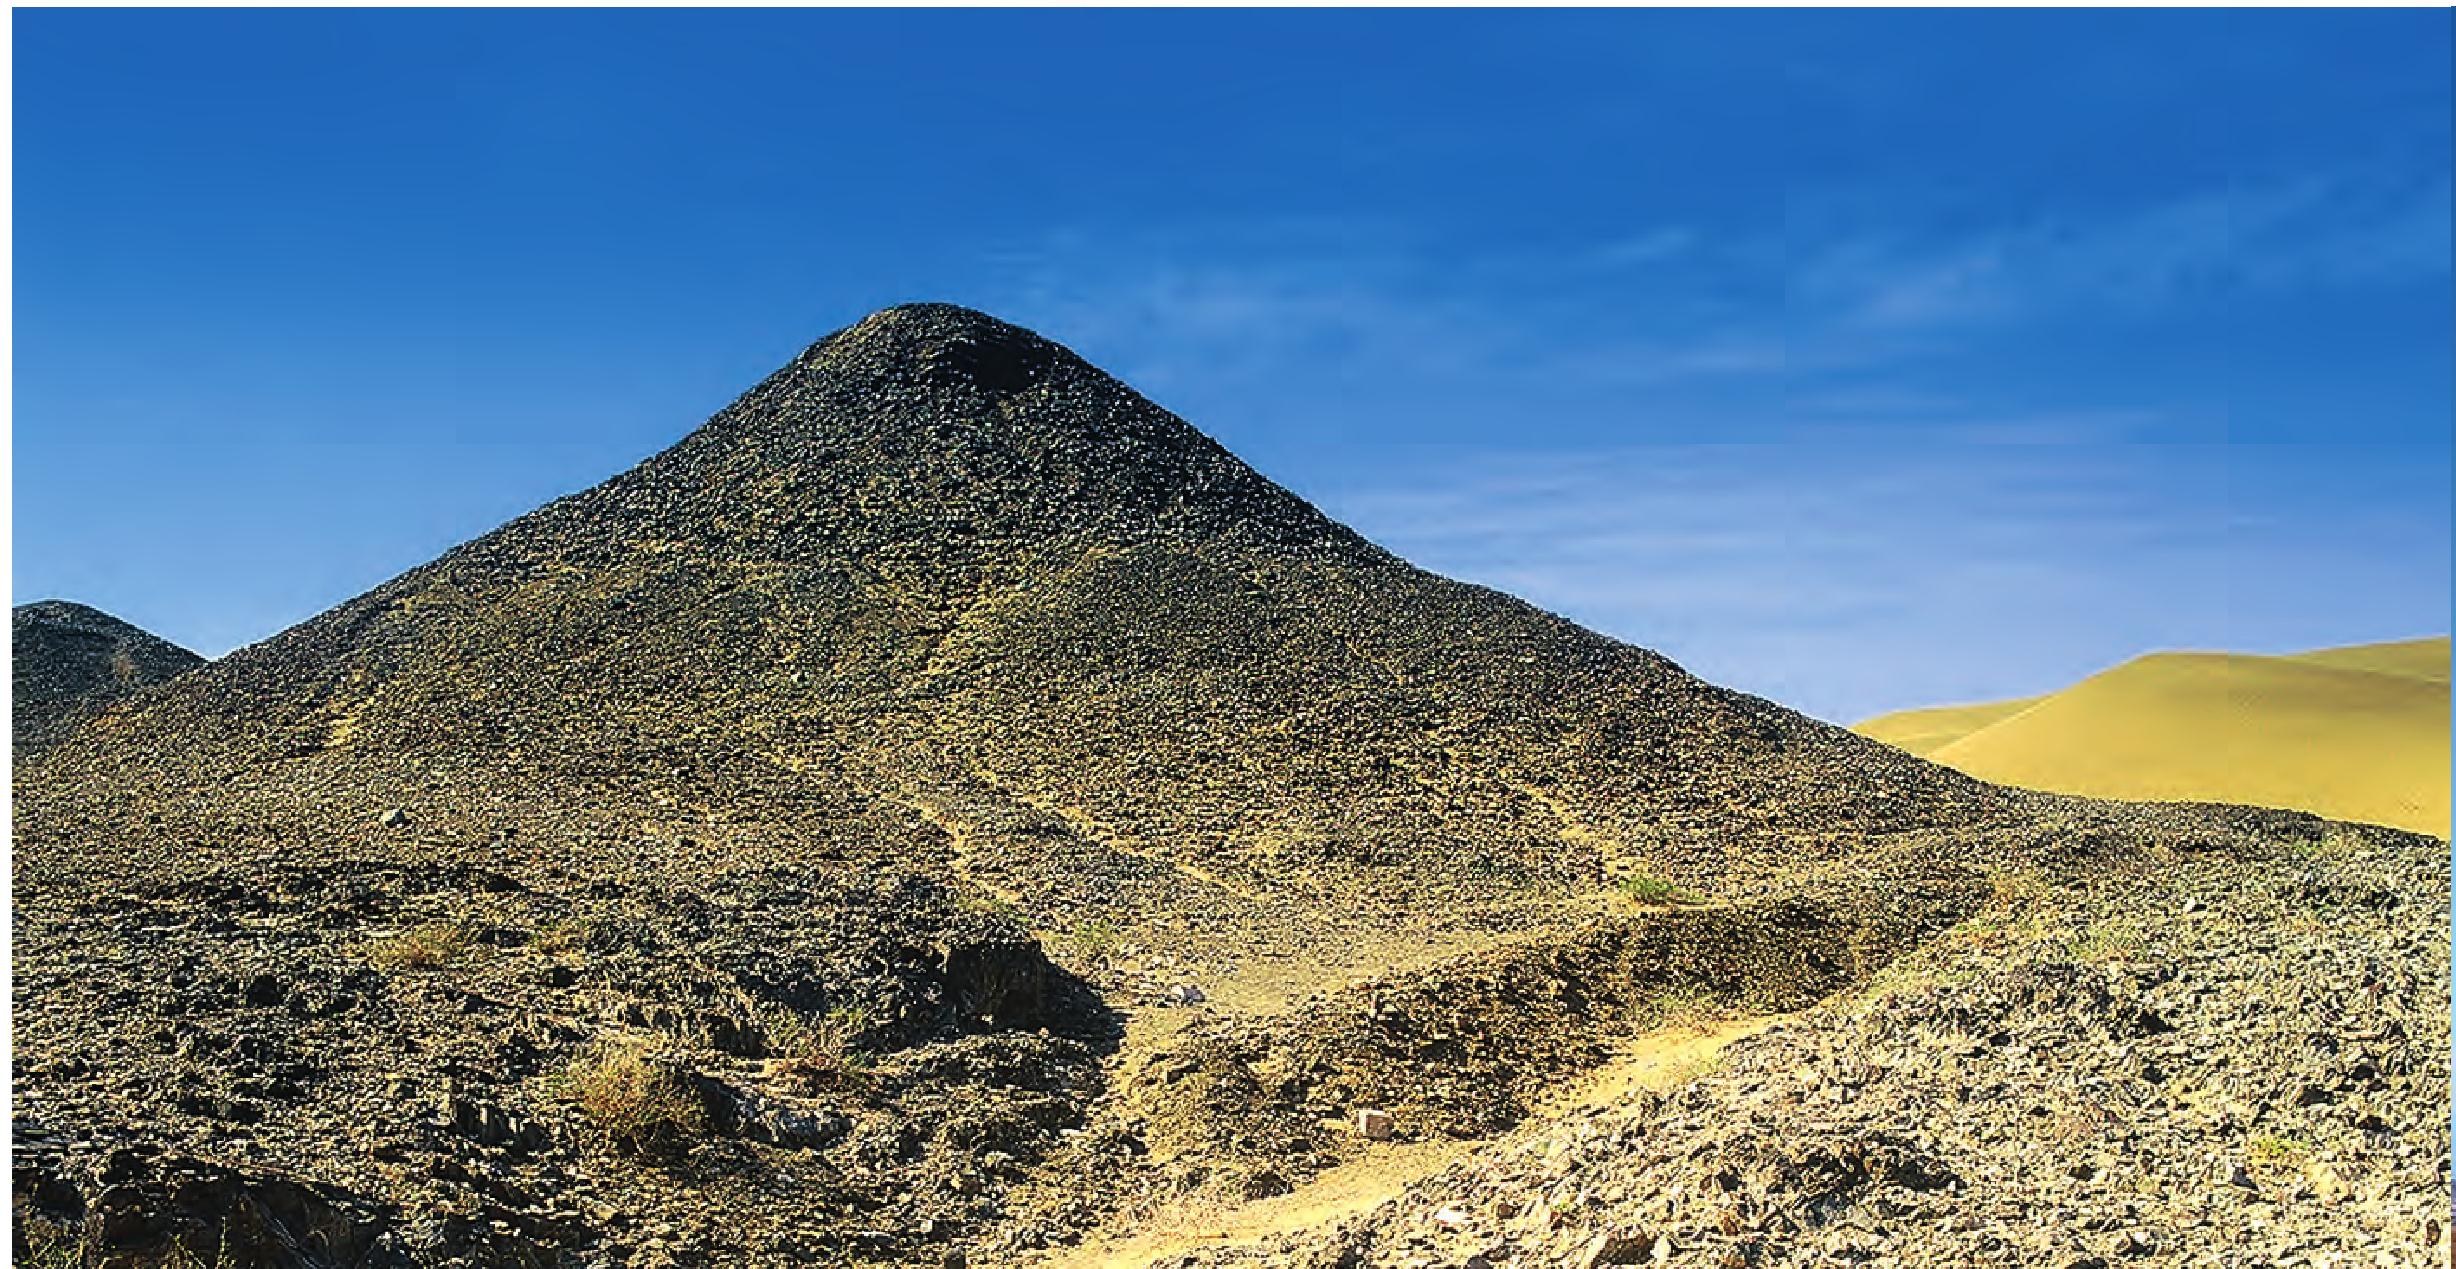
x=636 y=1100
x=437 y=945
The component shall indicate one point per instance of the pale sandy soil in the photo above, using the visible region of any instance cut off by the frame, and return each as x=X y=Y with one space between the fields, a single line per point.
x=1660 y=1060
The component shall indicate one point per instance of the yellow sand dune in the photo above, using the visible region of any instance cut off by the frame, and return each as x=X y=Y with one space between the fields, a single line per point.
x=1924 y=731
x=2356 y=733
x=2413 y=658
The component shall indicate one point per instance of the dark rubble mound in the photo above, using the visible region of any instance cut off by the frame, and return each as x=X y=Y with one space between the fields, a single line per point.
x=68 y=660
x=939 y=579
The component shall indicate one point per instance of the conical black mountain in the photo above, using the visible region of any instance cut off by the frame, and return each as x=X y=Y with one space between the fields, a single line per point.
x=941 y=596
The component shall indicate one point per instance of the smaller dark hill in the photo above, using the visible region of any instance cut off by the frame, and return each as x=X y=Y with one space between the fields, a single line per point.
x=71 y=660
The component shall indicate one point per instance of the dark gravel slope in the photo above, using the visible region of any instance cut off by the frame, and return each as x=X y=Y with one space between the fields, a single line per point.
x=69 y=660
x=941 y=593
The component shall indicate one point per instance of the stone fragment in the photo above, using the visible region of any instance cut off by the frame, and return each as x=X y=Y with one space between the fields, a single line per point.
x=1615 y=1248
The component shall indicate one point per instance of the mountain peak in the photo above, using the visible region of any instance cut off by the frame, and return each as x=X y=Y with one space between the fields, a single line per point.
x=941 y=604
x=70 y=659
x=935 y=322
x=69 y=615
x=940 y=432
x=945 y=344
x=65 y=612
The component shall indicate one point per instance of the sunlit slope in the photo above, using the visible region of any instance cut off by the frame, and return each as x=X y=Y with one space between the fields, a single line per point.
x=2308 y=732
x=2413 y=658
x=1924 y=731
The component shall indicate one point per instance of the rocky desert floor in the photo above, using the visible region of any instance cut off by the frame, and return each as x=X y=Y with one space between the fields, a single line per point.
x=2215 y=1060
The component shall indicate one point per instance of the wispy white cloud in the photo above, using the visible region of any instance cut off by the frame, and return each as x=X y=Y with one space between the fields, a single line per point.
x=1904 y=538
x=1644 y=248
x=1655 y=359
x=1793 y=305
x=2315 y=233
x=1220 y=305
x=1846 y=581
x=1234 y=304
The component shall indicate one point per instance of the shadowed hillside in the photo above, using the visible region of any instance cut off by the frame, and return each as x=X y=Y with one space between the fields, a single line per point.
x=69 y=660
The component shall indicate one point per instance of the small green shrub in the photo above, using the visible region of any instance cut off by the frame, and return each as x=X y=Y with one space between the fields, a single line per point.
x=53 y=1246
x=179 y=1257
x=1676 y=1007
x=1652 y=890
x=989 y=904
x=2104 y=944
x=1690 y=1070
x=50 y=1245
x=1093 y=942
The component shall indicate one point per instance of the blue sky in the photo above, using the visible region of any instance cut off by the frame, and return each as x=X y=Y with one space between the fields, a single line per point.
x=1864 y=360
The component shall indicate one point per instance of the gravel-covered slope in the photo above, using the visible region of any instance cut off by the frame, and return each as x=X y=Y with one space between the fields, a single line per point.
x=313 y=1062
x=2221 y=1058
x=939 y=569
x=69 y=660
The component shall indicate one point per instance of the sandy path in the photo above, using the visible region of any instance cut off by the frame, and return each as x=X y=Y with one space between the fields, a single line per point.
x=1657 y=1060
